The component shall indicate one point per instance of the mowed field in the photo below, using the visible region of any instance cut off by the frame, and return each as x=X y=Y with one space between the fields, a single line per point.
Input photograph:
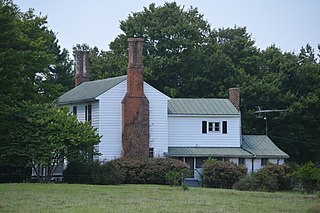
x=146 y=198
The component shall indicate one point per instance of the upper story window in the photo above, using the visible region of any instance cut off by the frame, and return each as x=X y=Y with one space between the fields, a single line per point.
x=214 y=127
x=88 y=112
x=74 y=110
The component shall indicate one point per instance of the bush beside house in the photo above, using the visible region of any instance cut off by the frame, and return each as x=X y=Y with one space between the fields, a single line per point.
x=100 y=173
x=218 y=174
x=269 y=178
x=150 y=170
x=143 y=171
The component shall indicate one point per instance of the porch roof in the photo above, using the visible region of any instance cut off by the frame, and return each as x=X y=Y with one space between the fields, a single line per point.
x=253 y=146
x=262 y=147
x=230 y=152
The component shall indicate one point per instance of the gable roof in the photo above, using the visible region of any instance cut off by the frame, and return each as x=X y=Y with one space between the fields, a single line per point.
x=88 y=91
x=203 y=106
x=262 y=146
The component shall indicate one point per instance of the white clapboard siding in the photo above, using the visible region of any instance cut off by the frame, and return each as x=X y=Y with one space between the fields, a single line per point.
x=110 y=126
x=110 y=122
x=95 y=114
x=158 y=105
x=186 y=131
x=249 y=164
x=80 y=112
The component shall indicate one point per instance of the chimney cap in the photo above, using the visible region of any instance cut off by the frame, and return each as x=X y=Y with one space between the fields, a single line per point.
x=135 y=39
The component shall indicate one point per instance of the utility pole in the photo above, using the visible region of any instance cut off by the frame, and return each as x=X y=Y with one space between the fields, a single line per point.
x=265 y=111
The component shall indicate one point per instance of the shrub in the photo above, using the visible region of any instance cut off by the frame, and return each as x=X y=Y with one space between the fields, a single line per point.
x=309 y=177
x=172 y=178
x=104 y=173
x=262 y=180
x=15 y=174
x=151 y=170
x=244 y=184
x=282 y=173
x=220 y=174
x=77 y=172
x=269 y=178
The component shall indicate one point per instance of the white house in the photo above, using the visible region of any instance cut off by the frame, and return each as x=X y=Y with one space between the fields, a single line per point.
x=126 y=110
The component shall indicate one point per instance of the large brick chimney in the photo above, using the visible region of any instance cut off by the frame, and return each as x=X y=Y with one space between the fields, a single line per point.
x=234 y=97
x=135 y=106
x=82 y=66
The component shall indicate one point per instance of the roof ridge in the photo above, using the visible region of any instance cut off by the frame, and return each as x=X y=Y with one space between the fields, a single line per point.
x=105 y=79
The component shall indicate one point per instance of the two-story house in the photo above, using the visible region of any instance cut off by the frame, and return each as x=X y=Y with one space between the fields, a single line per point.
x=136 y=120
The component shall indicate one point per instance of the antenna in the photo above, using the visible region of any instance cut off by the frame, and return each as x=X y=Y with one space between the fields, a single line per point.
x=265 y=111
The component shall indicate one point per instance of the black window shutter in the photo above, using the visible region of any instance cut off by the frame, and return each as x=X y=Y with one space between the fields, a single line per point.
x=89 y=112
x=224 y=127
x=204 y=127
x=86 y=113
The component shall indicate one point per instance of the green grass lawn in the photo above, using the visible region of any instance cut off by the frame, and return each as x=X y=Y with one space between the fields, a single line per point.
x=145 y=198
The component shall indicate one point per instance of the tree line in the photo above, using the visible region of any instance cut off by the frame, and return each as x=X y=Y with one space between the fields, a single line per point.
x=184 y=56
x=34 y=71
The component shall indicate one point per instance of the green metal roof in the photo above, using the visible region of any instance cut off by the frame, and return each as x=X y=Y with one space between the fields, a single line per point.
x=88 y=91
x=203 y=106
x=253 y=146
x=262 y=146
x=208 y=152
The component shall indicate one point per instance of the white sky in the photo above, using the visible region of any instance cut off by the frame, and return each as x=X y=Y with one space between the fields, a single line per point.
x=289 y=24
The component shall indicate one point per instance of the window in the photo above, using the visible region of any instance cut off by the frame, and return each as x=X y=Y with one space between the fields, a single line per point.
x=190 y=162
x=204 y=127
x=151 y=152
x=199 y=161
x=216 y=127
x=264 y=161
x=224 y=127
x=213 y=126
x=242 y=161
x=88 y=112
x=74 y=110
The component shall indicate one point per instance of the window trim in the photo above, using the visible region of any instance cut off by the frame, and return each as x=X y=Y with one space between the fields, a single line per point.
x=214 y=127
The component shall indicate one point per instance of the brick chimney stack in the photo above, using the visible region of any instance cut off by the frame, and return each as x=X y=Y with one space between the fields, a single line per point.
x=135 y=106
x=234 y=97
x=82 y=66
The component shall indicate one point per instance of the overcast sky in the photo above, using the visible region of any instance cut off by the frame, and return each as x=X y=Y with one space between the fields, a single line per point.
x=289 y=24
